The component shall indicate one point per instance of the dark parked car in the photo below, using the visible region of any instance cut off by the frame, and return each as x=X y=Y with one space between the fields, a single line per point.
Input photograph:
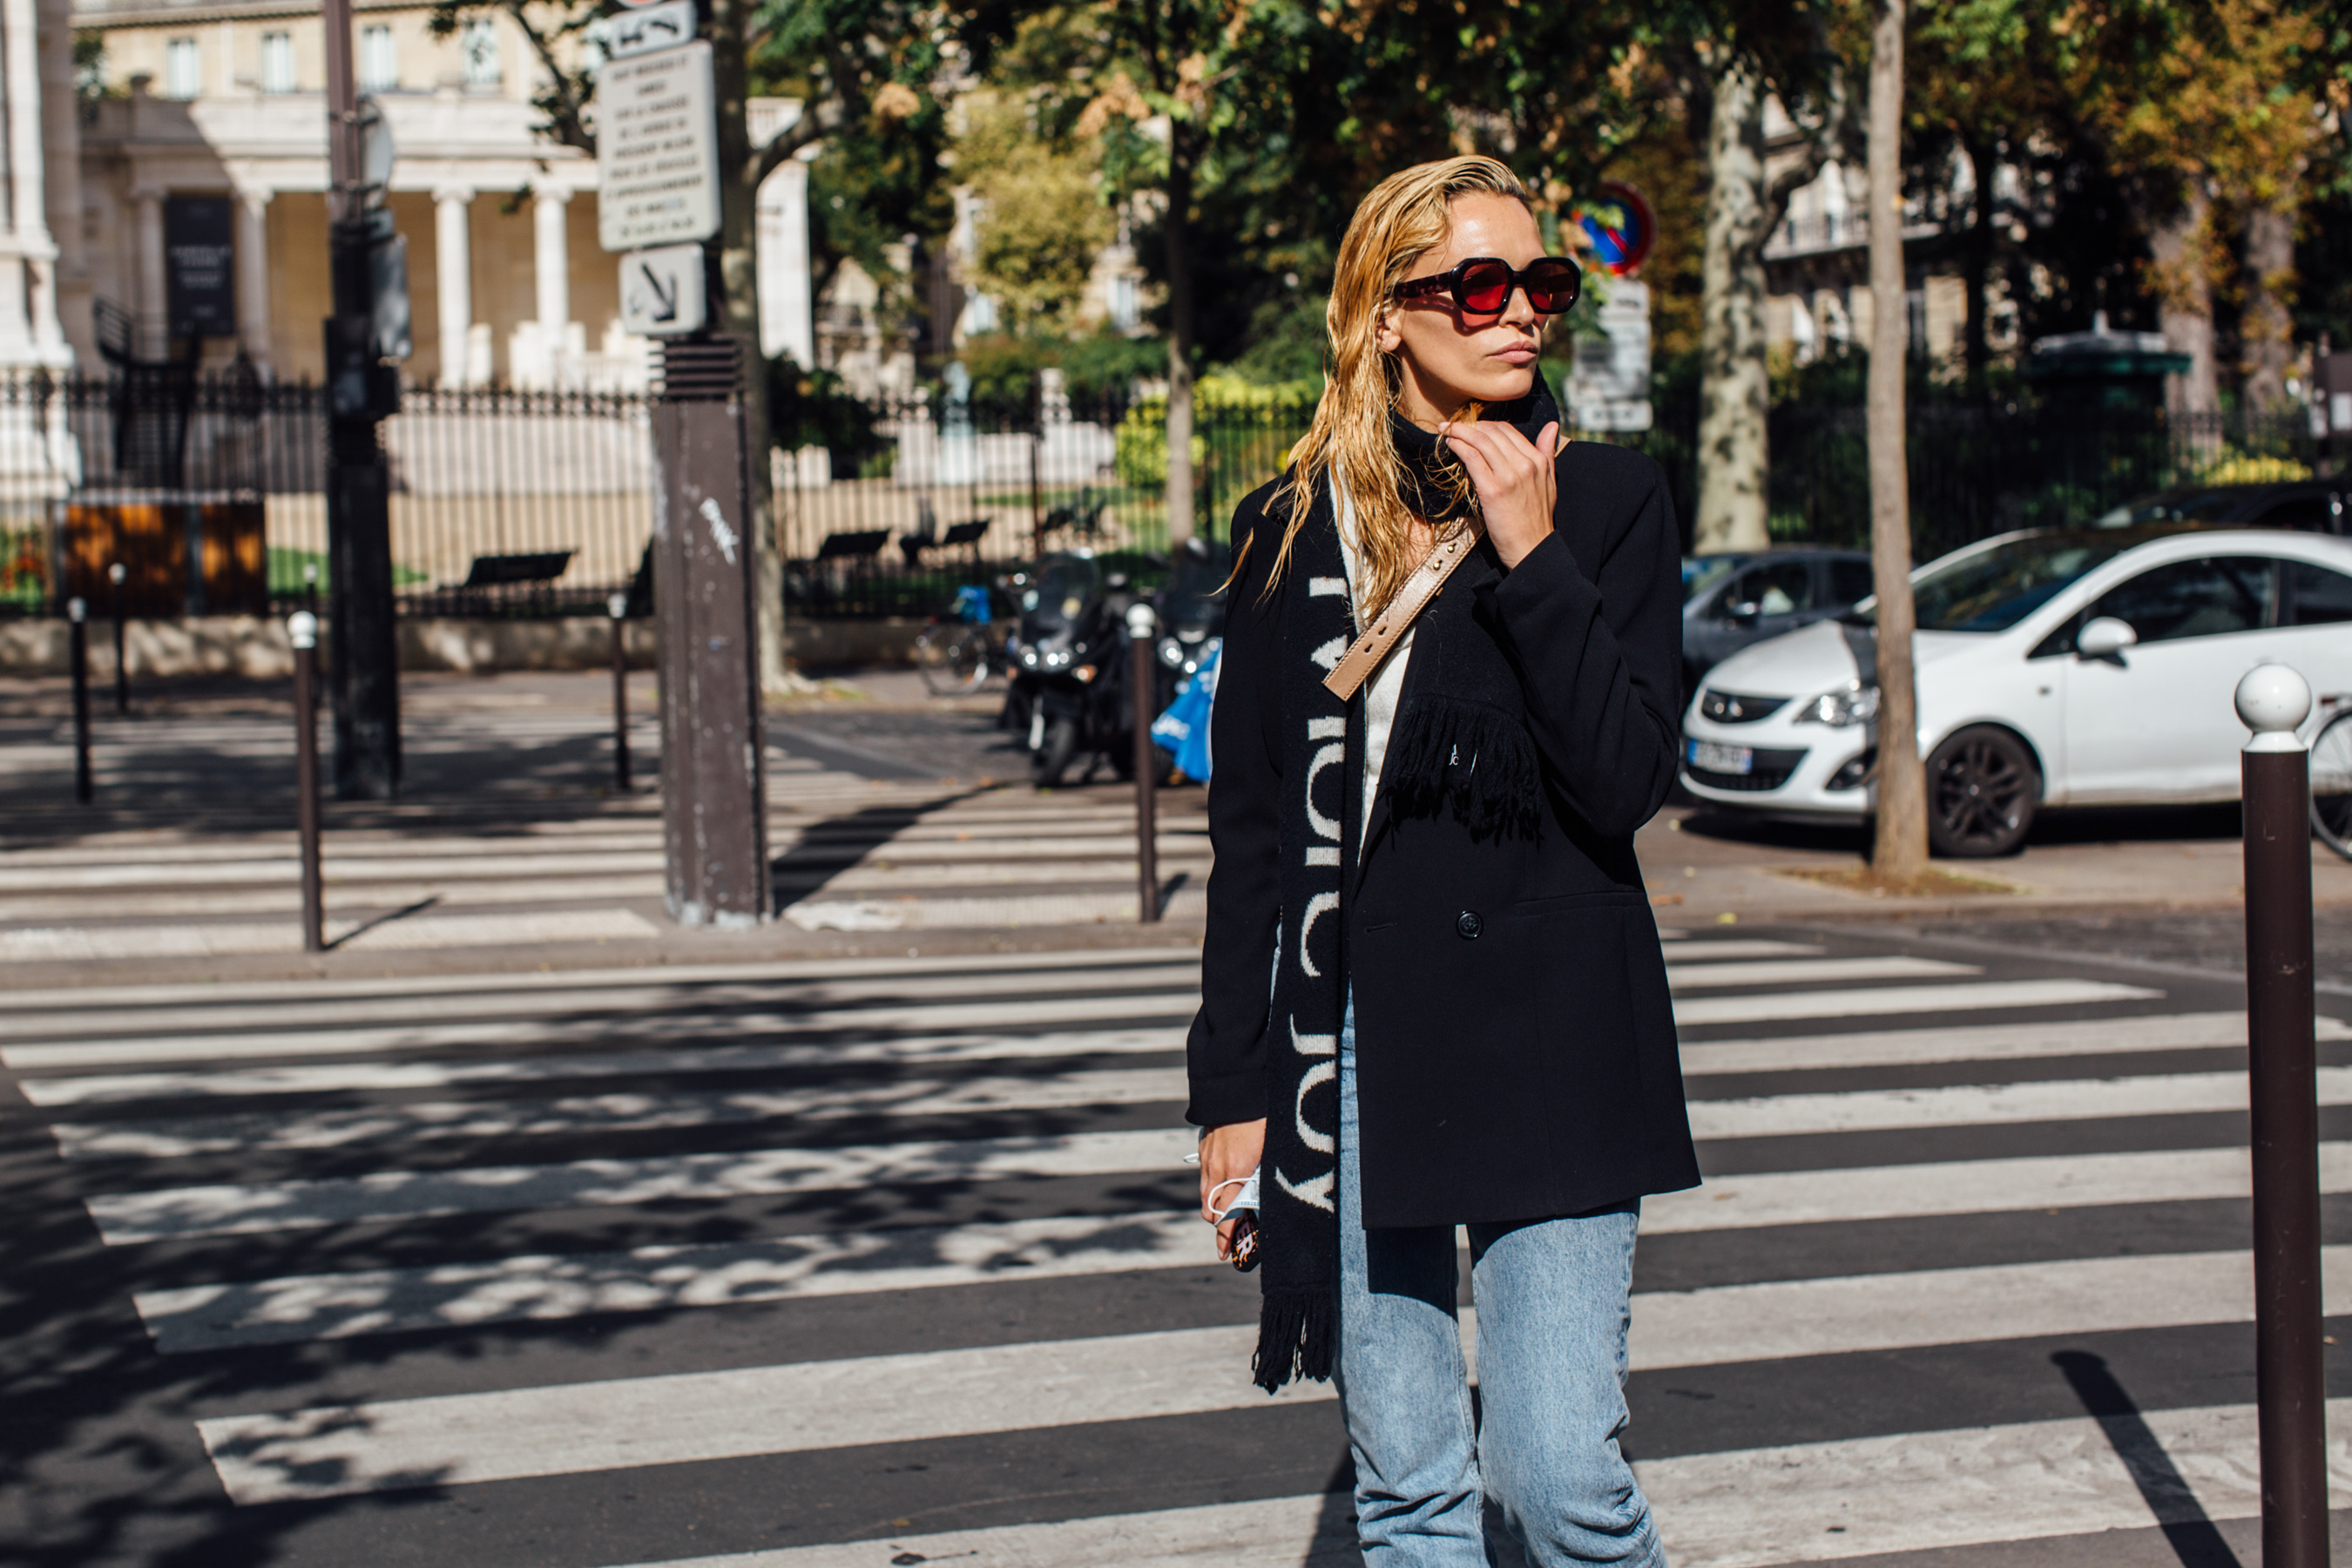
x=1731 y=601
x=2310 y=506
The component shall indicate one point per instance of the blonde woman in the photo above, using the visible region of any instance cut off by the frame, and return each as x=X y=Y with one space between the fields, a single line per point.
x=1426 y=819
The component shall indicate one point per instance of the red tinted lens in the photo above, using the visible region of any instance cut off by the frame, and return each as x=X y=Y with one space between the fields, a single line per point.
x=1551 y=286
x=1485 y=287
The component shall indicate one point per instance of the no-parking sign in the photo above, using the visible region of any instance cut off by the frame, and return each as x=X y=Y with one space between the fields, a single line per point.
x=1624 y=228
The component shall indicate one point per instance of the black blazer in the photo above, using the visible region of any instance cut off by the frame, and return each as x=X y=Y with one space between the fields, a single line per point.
x=1515 y=1038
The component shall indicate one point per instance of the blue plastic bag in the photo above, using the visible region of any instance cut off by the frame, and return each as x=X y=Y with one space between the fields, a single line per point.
x=1185 y=728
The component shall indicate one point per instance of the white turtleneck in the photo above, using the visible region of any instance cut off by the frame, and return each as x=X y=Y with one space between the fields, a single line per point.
x=1387 y=684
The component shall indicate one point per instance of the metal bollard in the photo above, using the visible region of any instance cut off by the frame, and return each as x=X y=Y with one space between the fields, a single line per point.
x=115 y=574
x=77 y=615
x=1142 y=628
x=2289 y=1375
x=302 y=631
x=619 y=606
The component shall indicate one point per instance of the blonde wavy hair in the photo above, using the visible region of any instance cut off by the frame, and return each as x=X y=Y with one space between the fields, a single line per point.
x=1405 y=217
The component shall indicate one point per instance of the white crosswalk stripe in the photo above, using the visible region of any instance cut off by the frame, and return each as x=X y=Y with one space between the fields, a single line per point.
x=977 y=1161
x=849 y=851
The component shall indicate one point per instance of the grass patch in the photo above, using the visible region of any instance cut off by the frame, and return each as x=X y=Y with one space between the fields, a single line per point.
x=1932 y=883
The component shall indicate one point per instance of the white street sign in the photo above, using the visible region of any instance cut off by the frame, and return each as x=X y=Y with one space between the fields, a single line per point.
x=662 y=26
x=661 y=291
x=657 y=149
x=1608 y=389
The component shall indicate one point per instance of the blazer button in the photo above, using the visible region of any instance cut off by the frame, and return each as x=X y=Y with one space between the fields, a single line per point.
x=1469 y=925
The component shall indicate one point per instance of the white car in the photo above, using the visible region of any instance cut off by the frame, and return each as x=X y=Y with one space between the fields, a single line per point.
x=2054 y=667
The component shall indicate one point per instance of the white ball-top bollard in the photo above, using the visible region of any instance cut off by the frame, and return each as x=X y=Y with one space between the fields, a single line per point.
x=1140 y=621
x=618 y=606
x=2273 y=700
x=303 y=629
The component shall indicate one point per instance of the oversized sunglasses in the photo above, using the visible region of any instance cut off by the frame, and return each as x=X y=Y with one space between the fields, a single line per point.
x=1482 y=286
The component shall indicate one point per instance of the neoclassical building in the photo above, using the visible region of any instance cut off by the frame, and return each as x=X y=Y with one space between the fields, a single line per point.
x=507 y=283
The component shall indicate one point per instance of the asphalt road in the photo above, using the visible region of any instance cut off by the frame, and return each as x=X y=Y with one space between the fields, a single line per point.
x=889 y=1263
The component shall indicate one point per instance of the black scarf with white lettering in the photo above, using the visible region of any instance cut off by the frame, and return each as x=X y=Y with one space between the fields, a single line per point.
x=1460 y=744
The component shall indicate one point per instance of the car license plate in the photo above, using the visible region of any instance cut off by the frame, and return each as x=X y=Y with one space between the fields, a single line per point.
x=1720 y=758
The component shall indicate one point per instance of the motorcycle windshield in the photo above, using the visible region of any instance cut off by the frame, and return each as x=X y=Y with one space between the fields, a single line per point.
x=1059 y=596
x=1190 y=601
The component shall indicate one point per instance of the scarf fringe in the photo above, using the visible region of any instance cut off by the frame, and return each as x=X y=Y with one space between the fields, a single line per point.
x=1473 y=756
x=1297 y=1336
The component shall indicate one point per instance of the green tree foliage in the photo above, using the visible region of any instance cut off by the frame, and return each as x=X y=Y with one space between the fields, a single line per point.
x=1043 y=219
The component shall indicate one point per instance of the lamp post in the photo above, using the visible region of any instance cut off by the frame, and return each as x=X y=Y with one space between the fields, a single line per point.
x=1143 y=629
x=2290 y=1378
x=619 y=606
x=302 y=631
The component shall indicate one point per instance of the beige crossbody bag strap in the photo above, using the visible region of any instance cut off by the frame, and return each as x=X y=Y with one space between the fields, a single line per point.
x=1364 y=655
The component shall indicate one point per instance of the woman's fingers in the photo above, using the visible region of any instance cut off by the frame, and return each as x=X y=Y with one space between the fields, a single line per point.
x=1228 y=1154
x=1515 y=480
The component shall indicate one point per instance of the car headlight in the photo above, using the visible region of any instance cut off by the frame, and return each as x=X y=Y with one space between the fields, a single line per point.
x=1028 y=658
x=1056 y=657
x=1171 y=652
x=1849 y=705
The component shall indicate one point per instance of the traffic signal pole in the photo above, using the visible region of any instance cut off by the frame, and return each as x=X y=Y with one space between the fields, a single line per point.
x=364 y=662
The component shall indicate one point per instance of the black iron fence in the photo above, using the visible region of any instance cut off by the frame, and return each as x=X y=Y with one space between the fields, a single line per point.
x=935 y=495
x=209 y=490
x=1978 y=470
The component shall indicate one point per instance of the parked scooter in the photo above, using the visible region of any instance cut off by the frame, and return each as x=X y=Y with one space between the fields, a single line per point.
x=1070 y=668
x=1191 y=615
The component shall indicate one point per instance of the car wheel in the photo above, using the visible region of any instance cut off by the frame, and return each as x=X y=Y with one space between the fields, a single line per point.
x=1982 y=789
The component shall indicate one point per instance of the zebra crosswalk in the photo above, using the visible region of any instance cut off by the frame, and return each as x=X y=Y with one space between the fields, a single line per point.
x=840 y=1264
x=489 y=868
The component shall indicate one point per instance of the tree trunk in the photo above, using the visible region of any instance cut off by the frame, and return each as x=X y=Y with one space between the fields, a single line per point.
x=738 y=317
x=2184 y=291
x=1899 y=851
x=1179 y=336
x=1977 y=349
x=2270 y=285
x=1735 y=391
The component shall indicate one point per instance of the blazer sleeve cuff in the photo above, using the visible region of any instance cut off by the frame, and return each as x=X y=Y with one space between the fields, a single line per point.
x=1549 y=569
x=1228 y=1097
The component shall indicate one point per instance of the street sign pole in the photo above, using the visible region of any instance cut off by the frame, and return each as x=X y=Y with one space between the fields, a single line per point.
x=2290 y=1376
x=658 y=200
x=714 y=769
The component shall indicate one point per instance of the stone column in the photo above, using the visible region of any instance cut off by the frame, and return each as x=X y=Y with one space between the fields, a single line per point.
x=453 y=254
x=62 y=277
x=253 y=275
x=551 y=259
x=549 y=339
x=149 y=200
x=787 y=320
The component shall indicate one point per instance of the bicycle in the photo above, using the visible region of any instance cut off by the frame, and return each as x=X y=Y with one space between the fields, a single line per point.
x=961 y=645
x=2331 y=779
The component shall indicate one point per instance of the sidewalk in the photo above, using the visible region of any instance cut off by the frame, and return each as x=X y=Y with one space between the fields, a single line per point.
x=896 y=824
x=1703 y=867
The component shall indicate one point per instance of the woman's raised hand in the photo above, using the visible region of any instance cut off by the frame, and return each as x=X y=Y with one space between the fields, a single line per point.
x=1228 y=1153
x=1515 y=478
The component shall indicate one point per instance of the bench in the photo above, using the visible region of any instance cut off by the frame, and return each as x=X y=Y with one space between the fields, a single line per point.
x=506 y=571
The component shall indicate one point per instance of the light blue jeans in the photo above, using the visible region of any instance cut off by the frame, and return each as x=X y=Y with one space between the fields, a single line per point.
x=1553 y=1305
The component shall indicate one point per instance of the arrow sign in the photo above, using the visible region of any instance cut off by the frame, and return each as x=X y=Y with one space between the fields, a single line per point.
x=642 y=32
x=665 y=293
x=661 y=291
